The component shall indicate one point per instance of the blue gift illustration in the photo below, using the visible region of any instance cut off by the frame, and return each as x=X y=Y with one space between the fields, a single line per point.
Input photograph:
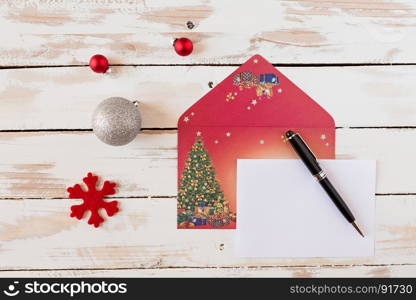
x=268 y=78
x=199 y=220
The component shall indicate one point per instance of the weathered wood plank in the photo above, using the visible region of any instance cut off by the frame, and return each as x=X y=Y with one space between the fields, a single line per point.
x=64 y=98
x=144 y=235
x=140 y=32
x=294 y=271
x=41 y=165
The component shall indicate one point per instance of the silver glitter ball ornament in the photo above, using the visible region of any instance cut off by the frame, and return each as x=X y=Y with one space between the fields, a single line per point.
x=116 y=121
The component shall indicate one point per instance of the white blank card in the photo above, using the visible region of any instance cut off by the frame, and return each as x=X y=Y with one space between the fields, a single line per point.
x=284 y=212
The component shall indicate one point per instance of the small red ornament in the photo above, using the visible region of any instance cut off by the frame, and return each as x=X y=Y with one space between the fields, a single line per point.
x=93 y=200
x=183 y=46
x=99 y=63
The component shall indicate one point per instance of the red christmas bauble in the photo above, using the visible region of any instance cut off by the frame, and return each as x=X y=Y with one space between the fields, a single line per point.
x=183 y=46
x=99 y=63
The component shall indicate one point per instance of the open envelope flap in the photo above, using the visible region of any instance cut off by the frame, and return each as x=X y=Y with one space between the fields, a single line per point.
x=257 y=94
x=245 y=116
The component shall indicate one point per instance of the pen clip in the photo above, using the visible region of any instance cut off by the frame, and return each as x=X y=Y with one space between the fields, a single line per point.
x=307 y=146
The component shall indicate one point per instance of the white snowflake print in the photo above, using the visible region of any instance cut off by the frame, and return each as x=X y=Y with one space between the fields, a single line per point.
x=248 y=107
x=261 y=142
x=192 y=114
x=198 y=133
x=254 y=101
x=279 y=90
x=216 y=142
x=186 y=119
x=228 y=134
x=327 y=144
x=323 y=137
x=255 y=60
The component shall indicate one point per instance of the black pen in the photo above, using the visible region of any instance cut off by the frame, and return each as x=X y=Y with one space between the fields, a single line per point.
x=309 y=159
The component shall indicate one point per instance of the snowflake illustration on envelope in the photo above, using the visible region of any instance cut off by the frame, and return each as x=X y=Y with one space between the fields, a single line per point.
x=245 y=116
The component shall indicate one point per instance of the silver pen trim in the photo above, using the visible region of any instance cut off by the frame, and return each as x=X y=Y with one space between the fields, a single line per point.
x=320 y=176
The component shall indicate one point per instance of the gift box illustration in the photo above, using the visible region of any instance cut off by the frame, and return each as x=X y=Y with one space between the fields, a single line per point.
x=244 y=116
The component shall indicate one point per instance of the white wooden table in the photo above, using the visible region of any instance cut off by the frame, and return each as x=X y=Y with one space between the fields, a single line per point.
x=356 y=58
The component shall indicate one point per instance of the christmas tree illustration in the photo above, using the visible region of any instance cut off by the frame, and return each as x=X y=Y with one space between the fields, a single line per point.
x=198 y=183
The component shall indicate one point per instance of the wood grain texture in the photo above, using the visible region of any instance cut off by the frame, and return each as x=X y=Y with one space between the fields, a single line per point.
x=64 y=98
x=41 y=165
x=140 y=32
x=50 y=105
x=271 y=271
x=144 y=235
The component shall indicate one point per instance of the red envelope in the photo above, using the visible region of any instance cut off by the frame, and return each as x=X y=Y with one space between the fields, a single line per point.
x=245 y=116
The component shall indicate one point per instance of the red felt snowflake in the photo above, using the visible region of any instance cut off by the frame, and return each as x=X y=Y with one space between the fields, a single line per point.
x=93 y=200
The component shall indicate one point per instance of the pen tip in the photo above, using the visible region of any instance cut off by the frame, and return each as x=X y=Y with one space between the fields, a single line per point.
x=357 y=228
